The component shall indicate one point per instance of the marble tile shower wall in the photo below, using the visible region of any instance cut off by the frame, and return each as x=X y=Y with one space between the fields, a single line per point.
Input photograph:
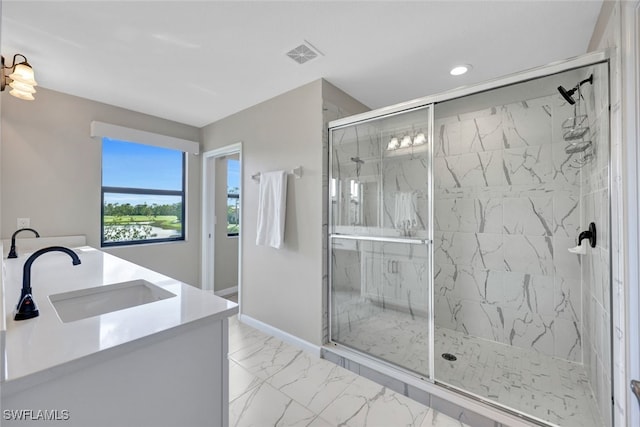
x=507 y=207
x=596 y=264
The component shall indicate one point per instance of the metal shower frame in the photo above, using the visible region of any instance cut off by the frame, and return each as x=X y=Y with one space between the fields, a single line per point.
x=430 y=384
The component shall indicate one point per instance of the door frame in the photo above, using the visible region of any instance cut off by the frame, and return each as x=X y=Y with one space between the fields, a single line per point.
x=630 y=52
x=208 y=233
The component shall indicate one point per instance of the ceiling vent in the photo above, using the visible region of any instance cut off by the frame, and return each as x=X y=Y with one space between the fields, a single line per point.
x=303 y=53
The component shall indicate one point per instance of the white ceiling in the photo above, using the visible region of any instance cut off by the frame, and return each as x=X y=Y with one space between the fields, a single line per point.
x=197 y=62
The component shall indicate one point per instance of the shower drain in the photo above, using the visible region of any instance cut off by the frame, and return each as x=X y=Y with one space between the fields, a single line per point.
x=450 y=357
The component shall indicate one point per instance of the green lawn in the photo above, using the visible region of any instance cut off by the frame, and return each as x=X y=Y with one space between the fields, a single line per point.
x=166 y=222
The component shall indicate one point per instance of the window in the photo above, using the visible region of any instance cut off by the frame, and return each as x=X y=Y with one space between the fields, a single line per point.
x=143 y=193
x=233 y=197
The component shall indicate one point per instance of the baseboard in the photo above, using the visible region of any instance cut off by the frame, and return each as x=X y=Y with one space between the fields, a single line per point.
x=228 y=291
x=278 y=333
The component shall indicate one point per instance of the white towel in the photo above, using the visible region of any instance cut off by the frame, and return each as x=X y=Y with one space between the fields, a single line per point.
x=272 y=203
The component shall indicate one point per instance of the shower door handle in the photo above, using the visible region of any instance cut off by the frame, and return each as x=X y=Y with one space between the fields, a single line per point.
x=635 y=388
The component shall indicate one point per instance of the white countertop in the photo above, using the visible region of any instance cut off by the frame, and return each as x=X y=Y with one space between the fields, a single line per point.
x=44 y=342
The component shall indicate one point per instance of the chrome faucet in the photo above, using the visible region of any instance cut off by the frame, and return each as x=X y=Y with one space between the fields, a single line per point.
x=26 y=308
x=12 y=251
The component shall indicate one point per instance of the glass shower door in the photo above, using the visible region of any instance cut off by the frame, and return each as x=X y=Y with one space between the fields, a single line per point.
x=521 y=318
x=380 y=238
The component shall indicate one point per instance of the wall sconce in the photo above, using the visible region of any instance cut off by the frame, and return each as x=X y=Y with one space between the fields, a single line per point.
x=19 y=77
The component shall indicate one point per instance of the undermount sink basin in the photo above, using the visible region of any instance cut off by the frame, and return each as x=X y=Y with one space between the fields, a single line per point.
x=84 y=303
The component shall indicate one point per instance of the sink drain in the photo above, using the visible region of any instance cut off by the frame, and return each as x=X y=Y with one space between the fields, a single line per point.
x=450 y=357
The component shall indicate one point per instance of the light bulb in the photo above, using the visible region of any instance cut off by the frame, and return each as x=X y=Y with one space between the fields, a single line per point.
x=22 y=87
x=23 y=73
x=419 y=139
x=22 y=95
x=406 y=142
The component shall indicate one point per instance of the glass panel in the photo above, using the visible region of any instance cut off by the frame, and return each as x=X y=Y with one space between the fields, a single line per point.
x=131 y=165
x=380 y=300
x=233 y=215
x=379 y=181
x=519 y=172
x=233 y=197
x=131 y=217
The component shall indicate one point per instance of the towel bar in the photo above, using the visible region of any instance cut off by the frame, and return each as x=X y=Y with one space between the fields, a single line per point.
x=383 y=239
x=297 y=172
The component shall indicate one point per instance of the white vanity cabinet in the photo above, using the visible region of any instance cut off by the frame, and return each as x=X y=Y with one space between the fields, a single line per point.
x=162 y=363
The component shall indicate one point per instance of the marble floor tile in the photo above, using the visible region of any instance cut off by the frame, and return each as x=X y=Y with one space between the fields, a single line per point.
x=241 y=380
x=274 y=384
x=312 y=382
x=319 y=422
x=241 y=335
x=435 y=418
x=265 y=406
x=365 y=403
x=265 y=357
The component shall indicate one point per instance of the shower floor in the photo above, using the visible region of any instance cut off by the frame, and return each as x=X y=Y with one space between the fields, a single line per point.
x=548 y=388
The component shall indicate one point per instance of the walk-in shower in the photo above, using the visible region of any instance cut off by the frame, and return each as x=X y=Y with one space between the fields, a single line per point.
x=453 y=242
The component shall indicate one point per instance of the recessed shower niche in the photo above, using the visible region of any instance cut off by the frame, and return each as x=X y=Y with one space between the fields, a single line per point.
x=451 y=220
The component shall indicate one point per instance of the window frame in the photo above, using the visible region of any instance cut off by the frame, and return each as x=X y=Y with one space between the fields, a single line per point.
x=146 y=191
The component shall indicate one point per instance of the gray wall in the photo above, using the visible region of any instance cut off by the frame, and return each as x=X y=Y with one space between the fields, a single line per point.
x=51 y=173
x=282 y=287
x=226 y=251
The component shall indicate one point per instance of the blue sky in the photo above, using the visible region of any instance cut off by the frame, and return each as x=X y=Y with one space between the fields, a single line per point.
x=233 y=173
x=127 y=164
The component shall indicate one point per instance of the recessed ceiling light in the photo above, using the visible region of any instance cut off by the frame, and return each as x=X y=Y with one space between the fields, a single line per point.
x=459 y=70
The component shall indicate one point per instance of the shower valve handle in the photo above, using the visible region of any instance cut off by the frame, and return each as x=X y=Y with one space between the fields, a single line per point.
x=589 y=235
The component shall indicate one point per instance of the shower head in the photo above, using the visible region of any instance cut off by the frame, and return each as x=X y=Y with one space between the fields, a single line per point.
x=568 y=94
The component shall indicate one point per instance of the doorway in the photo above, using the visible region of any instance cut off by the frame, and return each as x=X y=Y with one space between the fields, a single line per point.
x=221 y=219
